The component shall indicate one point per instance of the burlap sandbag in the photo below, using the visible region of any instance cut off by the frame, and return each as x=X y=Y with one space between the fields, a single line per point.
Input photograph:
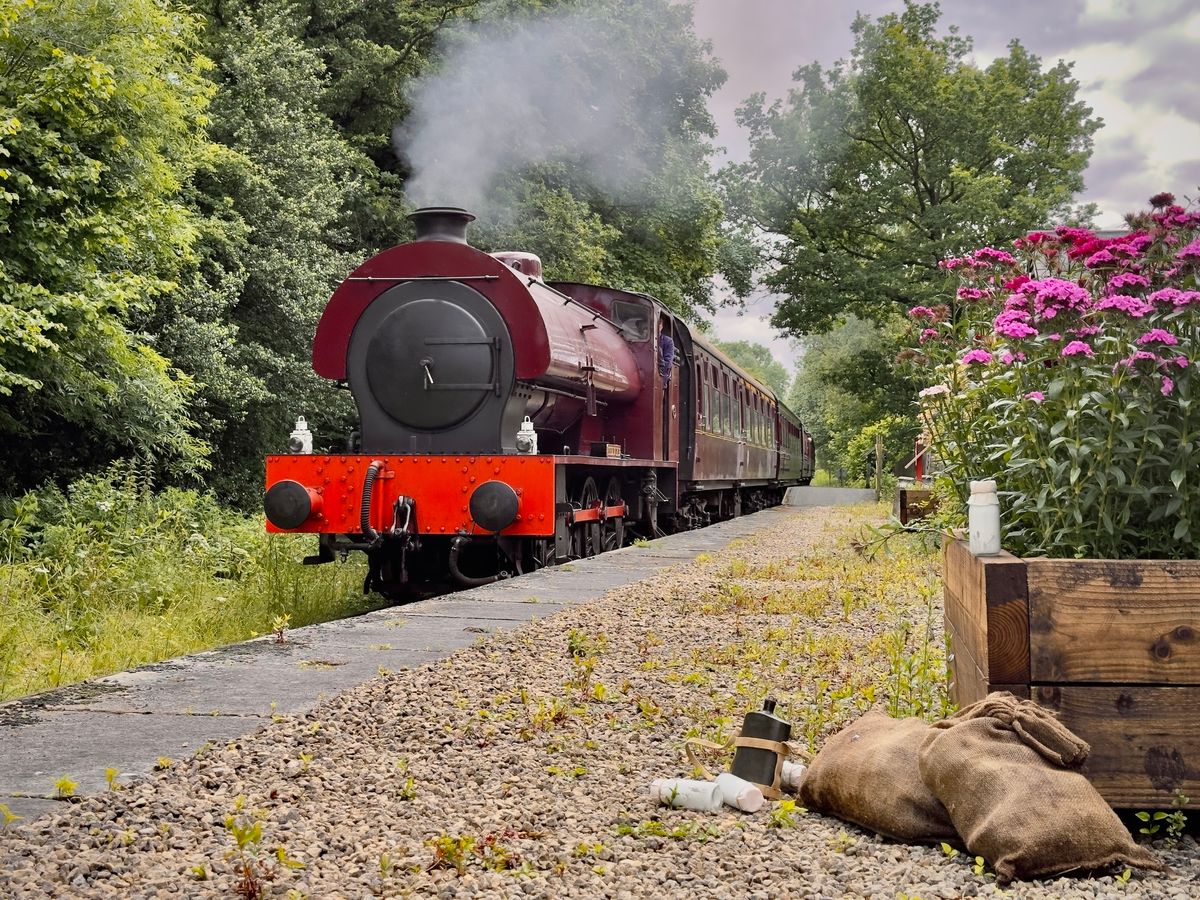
x=868 y=774
x=1007 y=773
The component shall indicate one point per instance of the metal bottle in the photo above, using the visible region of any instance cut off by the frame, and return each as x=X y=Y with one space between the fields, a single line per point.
x=756 y=764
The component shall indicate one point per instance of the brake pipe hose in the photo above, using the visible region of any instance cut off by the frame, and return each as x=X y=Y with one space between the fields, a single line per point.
x=368 y=495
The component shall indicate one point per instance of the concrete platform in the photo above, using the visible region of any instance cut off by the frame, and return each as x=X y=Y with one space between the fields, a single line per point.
x=827 y=496
x=128 y=720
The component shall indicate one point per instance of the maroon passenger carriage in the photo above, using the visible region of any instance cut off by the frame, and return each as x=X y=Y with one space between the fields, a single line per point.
x=508 y=423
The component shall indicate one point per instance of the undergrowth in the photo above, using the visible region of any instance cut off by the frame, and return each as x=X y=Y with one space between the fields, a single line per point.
x=113 y=574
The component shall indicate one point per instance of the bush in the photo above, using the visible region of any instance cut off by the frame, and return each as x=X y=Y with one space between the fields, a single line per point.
x=113 y=574
x=1065 y=371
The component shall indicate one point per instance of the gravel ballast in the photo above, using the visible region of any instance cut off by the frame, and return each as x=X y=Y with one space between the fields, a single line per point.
x=520 y=766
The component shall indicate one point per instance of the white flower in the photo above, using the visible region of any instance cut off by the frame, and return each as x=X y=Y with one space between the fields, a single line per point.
x=935 y=391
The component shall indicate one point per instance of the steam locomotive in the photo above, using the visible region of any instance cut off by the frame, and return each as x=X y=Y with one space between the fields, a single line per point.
x=509 y=423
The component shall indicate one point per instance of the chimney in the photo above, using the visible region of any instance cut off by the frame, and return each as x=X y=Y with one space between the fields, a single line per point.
x=442 y=223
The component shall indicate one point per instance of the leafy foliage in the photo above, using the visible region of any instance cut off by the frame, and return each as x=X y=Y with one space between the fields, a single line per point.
x=112 y=574
x=874 y=170
x=759 y=362
x=845 y=384
x=1069 y=377
x=101 y=122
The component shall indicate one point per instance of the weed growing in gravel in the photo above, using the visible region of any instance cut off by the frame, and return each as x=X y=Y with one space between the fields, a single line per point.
x=583 y=849
x=163 y=763
x=576 y=772
x=841 y=842
x=250 y=871
x=1174 y=822
x=64 y=788
x=110 y=778
x=279 y=626
x=7 y=817
x=457 y=852
x=783 y=814
x=687 y=830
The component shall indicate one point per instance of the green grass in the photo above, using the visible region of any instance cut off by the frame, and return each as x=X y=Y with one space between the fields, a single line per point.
x=113 y=574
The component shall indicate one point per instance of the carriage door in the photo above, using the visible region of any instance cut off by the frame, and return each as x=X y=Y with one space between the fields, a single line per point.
x=668 y=367
x=739 y=426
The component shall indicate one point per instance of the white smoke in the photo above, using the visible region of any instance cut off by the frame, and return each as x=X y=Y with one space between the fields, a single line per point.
x=566 y=87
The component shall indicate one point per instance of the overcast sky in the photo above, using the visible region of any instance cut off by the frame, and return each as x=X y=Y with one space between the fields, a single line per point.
x=1135 y=62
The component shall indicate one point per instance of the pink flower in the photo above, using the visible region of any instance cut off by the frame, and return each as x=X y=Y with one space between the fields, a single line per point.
x=1075 y=348
x=1036 y=396
x=1127 y=280
x=1181 y=361
x=922 y=312
x=1014 y=323
x=1131 y=306
x=1101 y=258
x=1014 y=284
x=1050 y=295
x=976 y=356
x=970 y=293
x=928 y=334
x=1074 y=235
x=1054 y=337
x=985 y=256
x=953 y=263
x=1191 y=251
x=1086 y=330
x=1135 y=357
x=1167 y=385
x=1158 y=336
x=1175 y=297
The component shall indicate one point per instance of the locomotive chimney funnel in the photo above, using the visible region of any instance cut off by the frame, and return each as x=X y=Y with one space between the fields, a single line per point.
x=442 y=223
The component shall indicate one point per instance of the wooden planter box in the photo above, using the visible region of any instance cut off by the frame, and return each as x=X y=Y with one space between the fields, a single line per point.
x=913 y=504
x=1112 y=646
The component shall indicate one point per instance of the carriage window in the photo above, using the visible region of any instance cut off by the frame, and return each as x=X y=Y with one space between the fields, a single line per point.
x=633 y=319
x=726 y=405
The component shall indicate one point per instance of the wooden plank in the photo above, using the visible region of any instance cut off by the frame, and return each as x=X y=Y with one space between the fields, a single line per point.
x=963 y=601
x=1145 y=743
x=1121 y=621
x=967 y=682
x=992 y=590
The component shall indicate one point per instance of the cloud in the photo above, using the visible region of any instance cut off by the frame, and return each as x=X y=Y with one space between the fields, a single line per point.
x=1134 y=61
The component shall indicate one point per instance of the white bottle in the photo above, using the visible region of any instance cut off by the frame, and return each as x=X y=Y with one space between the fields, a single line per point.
x=527 y=437
x=791 y=776
x=682 y=793
x=983 y=518
x=739 y=793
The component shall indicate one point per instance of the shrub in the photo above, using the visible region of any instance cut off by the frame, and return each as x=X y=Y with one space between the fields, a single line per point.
x=1065 y=370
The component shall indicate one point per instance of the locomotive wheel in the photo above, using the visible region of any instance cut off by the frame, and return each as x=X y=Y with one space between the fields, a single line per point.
x=614 y=529
x=587 y=539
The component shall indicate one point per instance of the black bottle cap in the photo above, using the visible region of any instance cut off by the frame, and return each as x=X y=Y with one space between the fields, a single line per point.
x=769 y=704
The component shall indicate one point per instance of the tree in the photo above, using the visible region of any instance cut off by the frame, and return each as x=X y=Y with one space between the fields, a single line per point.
x=759 y=362
x=845 y=384
x=873 y=171
x=101 y=123
x=273 y=246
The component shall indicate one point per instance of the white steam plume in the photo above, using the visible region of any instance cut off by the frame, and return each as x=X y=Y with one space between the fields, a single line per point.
x=565 y=87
